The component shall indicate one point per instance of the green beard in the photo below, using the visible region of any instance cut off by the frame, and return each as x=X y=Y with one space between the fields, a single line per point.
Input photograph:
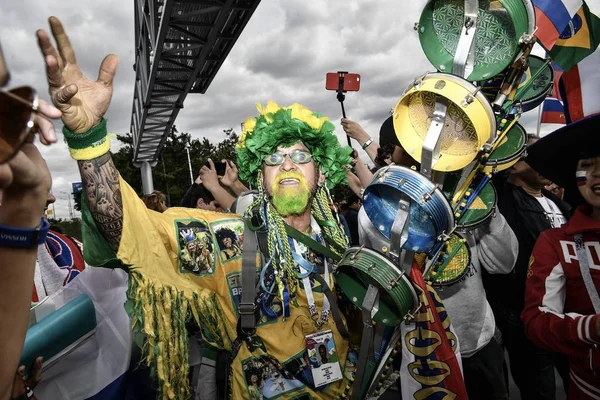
x=291 y=203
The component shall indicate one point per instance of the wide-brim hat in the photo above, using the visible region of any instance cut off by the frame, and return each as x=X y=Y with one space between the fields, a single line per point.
x=555 y=156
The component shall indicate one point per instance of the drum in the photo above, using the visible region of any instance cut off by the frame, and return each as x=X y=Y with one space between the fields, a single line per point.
x=480 y=210
x=499 y=27
x=430 y=213
x=536 y=91
x=509 y=151
x=360 y=267
x=469 y=122
x=452 y=263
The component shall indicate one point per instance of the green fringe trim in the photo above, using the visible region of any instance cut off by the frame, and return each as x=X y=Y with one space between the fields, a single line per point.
x=160 y=313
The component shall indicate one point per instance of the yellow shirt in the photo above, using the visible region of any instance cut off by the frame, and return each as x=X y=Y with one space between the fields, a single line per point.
x=177 y=268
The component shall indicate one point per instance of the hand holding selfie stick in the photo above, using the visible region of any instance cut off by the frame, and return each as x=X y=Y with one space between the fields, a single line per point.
x=342 y=82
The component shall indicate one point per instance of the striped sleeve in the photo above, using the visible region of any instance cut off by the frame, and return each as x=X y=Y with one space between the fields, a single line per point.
x=546 y=323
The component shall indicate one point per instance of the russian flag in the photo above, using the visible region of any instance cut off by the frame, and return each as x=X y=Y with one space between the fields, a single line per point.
x=552 y=17
x=553 y=112
x=580 y=89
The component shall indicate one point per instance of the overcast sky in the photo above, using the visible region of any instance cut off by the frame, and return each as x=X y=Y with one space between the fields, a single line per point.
x=283 y=54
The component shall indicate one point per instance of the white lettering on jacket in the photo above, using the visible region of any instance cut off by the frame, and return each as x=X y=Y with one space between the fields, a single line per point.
x=592 y=249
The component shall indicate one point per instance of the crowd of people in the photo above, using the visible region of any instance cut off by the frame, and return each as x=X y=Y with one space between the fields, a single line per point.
x=242 y=269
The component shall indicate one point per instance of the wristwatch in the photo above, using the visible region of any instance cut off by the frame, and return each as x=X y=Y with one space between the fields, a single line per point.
x=367 y=143
x=23 y=237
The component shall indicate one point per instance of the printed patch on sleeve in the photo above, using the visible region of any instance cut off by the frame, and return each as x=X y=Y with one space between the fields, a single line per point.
x=230 y=238
x=529 y=270
x=196 y=247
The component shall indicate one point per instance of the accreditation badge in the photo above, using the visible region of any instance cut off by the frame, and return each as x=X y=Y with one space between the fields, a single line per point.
x=323 y=358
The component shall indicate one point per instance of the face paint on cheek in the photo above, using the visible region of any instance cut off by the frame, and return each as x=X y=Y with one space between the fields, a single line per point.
x=581 y=177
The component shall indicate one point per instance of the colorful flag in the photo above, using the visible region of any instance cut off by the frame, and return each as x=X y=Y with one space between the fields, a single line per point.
x=552 y=17
x=98 y=368
x=558 y=71
x=580 y=39
x=431 y=363
x=553 y=112
x=580 y=89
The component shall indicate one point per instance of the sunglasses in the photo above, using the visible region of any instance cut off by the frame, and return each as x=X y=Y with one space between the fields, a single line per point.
x=297 y=157
x=17 y=109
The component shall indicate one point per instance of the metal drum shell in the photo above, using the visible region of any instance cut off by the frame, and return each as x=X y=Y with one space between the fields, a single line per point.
x=522 y=17
x=381 y=211
x=401 y=293
x=454 y=89
x=506 y=162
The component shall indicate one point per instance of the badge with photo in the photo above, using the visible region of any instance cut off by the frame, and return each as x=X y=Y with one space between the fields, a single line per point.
x=267 y=379
x=323 y=358
x=196 y=249
x=230 y=238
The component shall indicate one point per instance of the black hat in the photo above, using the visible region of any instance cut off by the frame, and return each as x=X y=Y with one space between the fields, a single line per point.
x=387 y=134
x=555 y=156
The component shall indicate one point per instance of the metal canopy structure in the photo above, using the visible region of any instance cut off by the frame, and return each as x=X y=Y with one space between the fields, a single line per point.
x=180 y=46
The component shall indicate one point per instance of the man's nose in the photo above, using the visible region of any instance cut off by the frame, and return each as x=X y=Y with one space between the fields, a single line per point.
x=288 y=164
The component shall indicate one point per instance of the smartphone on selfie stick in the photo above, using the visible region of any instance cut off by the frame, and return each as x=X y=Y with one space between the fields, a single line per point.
x=342 y=82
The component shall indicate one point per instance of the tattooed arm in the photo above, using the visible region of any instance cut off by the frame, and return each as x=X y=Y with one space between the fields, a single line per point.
x=103 y=195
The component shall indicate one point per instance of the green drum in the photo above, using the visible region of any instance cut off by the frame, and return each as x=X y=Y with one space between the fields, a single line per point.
x=452 y=263
x=535 y=84
x=360 y=267
x=481 y=208
x=509 y=151
x=499 y=27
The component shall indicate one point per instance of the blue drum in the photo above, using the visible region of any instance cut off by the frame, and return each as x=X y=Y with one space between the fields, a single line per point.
x=430 y=213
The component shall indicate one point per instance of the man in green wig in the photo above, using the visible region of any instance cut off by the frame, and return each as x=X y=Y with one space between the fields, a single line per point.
x=291 y=156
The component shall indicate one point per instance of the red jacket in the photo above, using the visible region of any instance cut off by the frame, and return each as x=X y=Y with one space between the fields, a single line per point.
x=558 y=313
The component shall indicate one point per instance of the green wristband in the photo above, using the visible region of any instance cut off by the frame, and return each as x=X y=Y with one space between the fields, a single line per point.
x=92 y=138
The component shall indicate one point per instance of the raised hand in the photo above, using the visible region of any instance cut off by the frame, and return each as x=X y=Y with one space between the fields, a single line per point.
x=209 y=176
x=82 y=101
x=231 y=173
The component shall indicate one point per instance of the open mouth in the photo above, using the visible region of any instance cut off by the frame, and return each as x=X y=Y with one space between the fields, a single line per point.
x=289 y=181
x=596 y=189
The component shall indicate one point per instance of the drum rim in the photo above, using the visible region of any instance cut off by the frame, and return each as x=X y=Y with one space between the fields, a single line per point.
x=455 y=280
x=403 y=276
x=462 y=84
x=473 y=76
x=472 y=88
x=506 y=160
x=473 y=225
x=545 y=92
x=430 y=186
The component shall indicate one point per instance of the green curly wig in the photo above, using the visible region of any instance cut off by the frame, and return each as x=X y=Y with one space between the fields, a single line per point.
x=276 y=126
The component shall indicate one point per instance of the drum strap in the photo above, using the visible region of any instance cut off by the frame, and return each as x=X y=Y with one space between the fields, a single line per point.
x=582 y=256
x=311 y=243
x=366 y=345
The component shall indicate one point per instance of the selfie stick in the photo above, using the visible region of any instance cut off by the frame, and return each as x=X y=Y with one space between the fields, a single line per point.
x=341 y=97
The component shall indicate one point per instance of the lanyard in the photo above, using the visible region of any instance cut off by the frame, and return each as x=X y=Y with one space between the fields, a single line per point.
x=306 y=268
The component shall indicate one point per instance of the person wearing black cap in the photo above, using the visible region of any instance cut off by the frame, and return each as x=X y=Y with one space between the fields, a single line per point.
x=562 y=305
x=390 y=149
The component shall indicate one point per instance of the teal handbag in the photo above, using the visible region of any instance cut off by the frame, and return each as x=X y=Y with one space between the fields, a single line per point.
x=59 y=332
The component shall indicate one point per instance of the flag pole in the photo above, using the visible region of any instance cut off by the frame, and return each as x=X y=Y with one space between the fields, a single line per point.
x=539 y=119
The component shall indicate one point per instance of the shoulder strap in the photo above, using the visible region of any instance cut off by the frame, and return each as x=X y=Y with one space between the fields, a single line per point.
x=582 y=256
x=247 y=306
